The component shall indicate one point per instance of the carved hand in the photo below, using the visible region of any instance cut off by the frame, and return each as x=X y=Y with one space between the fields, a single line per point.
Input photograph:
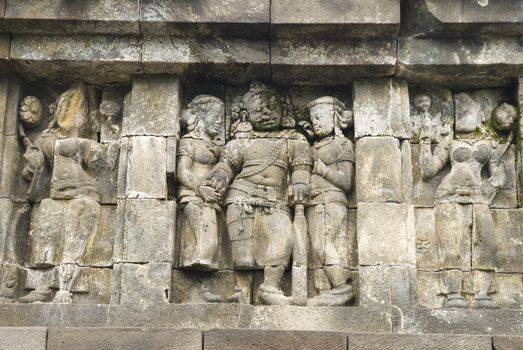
x=217 y=182
x=320 y=168
x=301 y=192
x=208 y=194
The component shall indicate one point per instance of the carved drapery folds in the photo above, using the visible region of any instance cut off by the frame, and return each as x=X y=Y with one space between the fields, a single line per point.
x=381 y=193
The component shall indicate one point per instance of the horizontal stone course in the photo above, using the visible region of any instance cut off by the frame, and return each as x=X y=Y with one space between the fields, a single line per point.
x=23 y=338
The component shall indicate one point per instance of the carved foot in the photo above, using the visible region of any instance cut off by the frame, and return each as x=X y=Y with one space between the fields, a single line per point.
x=273 y=296
x=483 y=301
x=37 y=295
x=210 y=297
x=338 y=296
x=63 y=297
x=455 y=300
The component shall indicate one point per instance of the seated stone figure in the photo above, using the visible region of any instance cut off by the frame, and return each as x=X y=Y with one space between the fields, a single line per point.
x=327 y=209
x=67 y=221
x=255 y=169
x=197 y=154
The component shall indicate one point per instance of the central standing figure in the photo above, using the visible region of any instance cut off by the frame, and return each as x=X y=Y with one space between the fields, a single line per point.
x=259 y=169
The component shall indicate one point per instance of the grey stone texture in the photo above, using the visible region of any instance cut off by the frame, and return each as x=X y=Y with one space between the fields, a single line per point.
x=252 y=340
x=30 y=338
x=145 y=284
x=505 y=343
x=381 y=108
x=428 y=342
x=116 y=338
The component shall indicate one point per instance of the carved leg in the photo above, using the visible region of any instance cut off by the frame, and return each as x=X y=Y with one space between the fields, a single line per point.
x=240 y=230
x=270 y=292
x=454 y=286
x=67 y=276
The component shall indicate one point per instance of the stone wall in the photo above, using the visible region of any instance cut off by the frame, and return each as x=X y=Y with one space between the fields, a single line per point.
x=319 y=166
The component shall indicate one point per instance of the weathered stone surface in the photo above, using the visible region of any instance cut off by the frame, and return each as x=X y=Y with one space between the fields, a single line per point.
x=100 y=248
x=373 y=155
x=509 y=237
x=171 y=147
x=230 y=18
x=12 y=278
x=148 y=234
x=385 y=286
x=458 y=321
x=5 y=46
x=381 y=108
x=23 y=338
x=155 y=107
x=57 y=58
x=339 y=18
x=11 y=90
x=145 y=285
x=189 y=287
x=464 y=18
x=52 y=16
x=425 y=341
x=14 y=229
x=107 y=177
x=95 y=286
x=11 y=184
x=145 y=175
x=252 y=339
x=121 y=338
x=329 y=62
x=386 y=234
x=424 y=189
x=507 y=343
x=467 y=62
x=234 y=60
x=507 y=196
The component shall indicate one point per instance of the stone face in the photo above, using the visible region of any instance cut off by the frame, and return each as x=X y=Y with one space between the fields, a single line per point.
x=52 y=16
x=145 y=285
x=116 y=338
x=231 y=18
x=33 y=338
x=251 y=340
x=373 y=154
x=57 y=58
x=464 y=18
x=381 y=108
x=146 y=240
x=341 y=18
x=506 y=343
x=467 y=62
x=156 y=114
x=408 y=342
x=509 y=236
x=386 y=234
x=329 y=62
x=146 y=160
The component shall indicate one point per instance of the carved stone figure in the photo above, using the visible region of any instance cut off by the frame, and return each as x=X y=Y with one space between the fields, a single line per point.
x=258 y=169
x=197 y=154
x=67 y=221
x=327 y=211
x=464 y=187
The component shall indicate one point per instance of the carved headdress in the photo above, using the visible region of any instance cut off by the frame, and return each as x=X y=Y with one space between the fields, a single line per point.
x=343 y=118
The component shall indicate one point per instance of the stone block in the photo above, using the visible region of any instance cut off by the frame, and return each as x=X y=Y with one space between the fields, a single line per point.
x=379 y=171
x=386 y=234
x=12 y=278
x=145 y=285
x=330 y=62
x=508 y=290
x=507 y=197
x=418 y=341
x=121 y=338
x=232 y=60
x=31 y=338
x=458 y=321
x=231 y=18
x=465 y=63
x=427 y=254
x=171 y=144
x=386 y=286
x=339 y=18
x=154 y=108
x=149 y=227
x=507 y=343
x=107 y=176
x=464 y=18
x=56 y=58
x=14 y=230
x=145 y=175
x=191 y=287
x=430 y=289
x=509 y=237
x=11 y=90
x=381 y=108
x=257 y=339
x=52 y=16
x=96 y=286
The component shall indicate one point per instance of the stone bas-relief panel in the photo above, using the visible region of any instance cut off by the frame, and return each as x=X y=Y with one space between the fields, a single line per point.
x=464 y=172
